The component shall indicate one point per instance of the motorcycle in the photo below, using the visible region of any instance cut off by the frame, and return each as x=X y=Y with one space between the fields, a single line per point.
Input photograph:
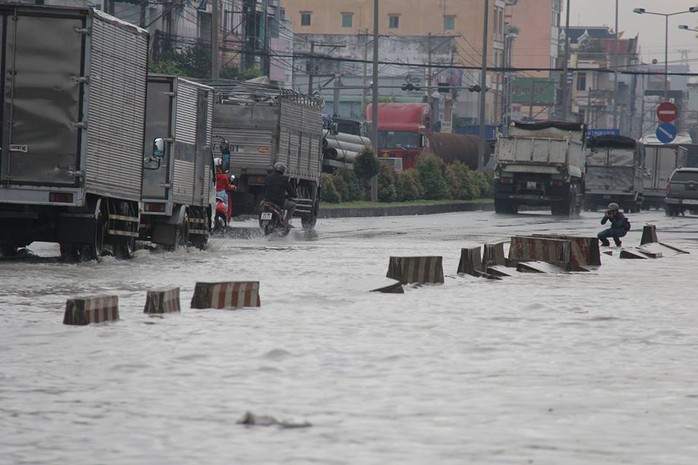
x=224 y=210
x=272 y=220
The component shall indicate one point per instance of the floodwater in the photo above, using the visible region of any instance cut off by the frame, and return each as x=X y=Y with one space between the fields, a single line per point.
x=572 y=368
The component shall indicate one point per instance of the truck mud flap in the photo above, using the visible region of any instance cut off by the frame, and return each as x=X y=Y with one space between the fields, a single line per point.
x=303 y=207
x=123 y=225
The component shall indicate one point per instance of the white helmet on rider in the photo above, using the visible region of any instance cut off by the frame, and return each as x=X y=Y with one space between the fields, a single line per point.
x=280 y=167
x=218 y=162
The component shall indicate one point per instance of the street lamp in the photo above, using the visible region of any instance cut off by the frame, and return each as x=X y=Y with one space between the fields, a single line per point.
x=686 y=28
x=641 y=11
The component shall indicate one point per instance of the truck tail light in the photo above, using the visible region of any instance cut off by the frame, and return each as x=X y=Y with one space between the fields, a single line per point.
x=60 y=197
x=668 y=189
x=557 y=182
x=256 y=180
x=506 y=180
x=154 y=207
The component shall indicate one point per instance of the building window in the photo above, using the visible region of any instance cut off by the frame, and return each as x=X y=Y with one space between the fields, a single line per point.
x=582 y=81
x=305 y=18
x=393 y=21
x=347 y=19
x=449 y=22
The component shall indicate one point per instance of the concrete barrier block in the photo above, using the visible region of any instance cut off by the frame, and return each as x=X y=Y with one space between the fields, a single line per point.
x=470 y=261
x=234 y=294
x=632 y=254
x=671 y=247
x=164 y=300
x=649 y=253
x=499 y=271
x=395 y=288
x=486 y=275
x=91 y=309
x=585 y=250
x=421 y=270
x=493 y=255
x=543 y=249
x=649 y=234
x=539 y=267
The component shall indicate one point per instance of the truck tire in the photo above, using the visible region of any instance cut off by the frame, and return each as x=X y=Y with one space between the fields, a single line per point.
x=505 y=206
x=125 y=246
x=569 y=206
x=182 y=232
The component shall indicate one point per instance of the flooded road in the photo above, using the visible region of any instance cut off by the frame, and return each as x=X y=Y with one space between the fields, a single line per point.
x=572 y=368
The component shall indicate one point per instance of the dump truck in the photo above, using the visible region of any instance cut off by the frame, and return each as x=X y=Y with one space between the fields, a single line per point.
x=179 y=184
x=614 y=173
x=73 y=110
x=540 y=164
x=263 y=125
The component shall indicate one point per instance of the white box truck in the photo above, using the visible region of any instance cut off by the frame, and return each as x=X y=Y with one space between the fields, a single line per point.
x=73 y=108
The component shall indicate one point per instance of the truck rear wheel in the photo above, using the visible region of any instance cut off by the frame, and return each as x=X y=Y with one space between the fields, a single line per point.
x=505 y=206
x=125 y=246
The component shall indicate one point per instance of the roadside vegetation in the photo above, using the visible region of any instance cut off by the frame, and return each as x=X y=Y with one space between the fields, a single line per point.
x=430 y=181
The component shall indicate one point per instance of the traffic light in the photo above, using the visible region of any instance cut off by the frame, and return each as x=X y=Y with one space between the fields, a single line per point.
x=410 y=86
x=475 y=88
x=444 y=88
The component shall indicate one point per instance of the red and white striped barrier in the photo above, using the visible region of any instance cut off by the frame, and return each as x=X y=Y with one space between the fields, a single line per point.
x=543 y=249
x=585 y=250
x=165 y=300
x=649 y=234
x=416 y=269
x=235 y=294
x=92 y=309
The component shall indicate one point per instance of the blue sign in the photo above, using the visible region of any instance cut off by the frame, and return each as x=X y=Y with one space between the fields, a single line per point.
x=666 y=132
x=603 y=132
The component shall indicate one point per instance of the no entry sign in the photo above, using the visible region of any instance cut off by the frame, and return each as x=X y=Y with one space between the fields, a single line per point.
x=666 y=112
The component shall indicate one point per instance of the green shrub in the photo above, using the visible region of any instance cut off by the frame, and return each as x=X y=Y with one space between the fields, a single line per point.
x=354 y=189
x=386 y=184
x=483 y=183
x=329 y=193
x=408 y=186
x=460 y=183
x=431 y=170
x=366 y=165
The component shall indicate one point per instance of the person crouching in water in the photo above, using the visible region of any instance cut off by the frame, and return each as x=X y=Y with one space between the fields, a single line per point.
x=619 y=225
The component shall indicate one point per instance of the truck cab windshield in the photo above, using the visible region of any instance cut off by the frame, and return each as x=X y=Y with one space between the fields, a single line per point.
x=398 y=139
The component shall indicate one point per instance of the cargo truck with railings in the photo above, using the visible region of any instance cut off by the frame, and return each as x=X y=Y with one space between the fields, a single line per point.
x=264 y=125
x=178 y=179
x=614 y=173
x=540 y=164
x=73 y=108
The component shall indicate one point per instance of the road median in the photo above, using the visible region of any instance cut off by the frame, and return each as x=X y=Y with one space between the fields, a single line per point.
x=404 y=209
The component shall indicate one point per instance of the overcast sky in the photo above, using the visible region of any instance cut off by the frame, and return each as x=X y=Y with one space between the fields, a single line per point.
x=651 y=28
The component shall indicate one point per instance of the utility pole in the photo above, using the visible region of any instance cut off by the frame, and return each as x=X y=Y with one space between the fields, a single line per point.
x=363 y=89
x=214 y=40
x=143 y=9
x=109 y=7
x=335 y=94
x=565 y=65
x=430 y=98
x=616 y=43
x=311 y=68
x=483 y=90
x=374 y=97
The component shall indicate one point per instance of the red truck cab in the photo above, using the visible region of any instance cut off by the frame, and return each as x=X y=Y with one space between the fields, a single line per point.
x=403 y=130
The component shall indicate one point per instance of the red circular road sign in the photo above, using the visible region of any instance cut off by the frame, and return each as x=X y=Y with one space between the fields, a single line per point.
x=666 y=112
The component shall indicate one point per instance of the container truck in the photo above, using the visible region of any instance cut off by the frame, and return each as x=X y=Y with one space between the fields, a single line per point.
x=404 y=136
x=540 y=164
x=73 y=109
x=178 y=179
x=658 y=162
x=263 y=125
x=614 y=173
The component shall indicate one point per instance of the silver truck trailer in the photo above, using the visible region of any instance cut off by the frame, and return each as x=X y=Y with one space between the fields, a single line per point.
x=540 y=164
x=614 y=173
x=265 y=125
x=659 y=161
x=73 y=107
x=178 y=179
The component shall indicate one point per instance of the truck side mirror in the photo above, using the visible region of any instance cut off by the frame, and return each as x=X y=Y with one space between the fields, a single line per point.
x=159 y=147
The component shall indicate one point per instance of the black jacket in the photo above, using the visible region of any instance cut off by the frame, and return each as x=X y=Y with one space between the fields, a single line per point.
x=277 y=186
x=619 y=221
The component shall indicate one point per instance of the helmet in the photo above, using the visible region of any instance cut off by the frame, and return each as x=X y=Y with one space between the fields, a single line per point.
x=280 y=167
x=218 y=162
x=613 y=206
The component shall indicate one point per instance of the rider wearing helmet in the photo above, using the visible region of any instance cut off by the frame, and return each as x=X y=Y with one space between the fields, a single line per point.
x=619 y=225
x=223 y=186
x=277 y=187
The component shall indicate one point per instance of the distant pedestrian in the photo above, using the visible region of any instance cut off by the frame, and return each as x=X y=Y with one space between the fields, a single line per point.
x=619 y=225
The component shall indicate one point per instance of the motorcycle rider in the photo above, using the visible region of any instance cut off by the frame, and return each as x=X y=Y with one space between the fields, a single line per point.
x=223 y=186
x=276 y=187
